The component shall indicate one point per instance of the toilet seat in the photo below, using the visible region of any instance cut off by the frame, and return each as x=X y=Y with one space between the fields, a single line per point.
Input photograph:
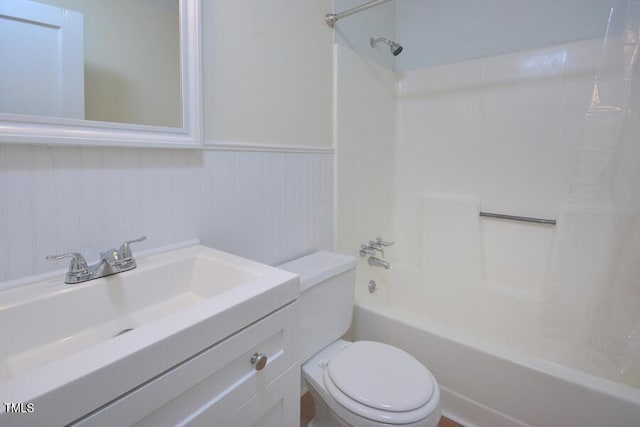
x=381 y=383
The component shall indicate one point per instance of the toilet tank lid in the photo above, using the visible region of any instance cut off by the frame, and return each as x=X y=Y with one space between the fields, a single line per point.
x=318 y=267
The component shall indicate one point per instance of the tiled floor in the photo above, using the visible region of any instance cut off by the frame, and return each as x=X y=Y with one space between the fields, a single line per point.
x=307 y=410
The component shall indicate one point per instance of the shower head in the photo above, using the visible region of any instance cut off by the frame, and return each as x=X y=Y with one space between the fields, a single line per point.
x=396 y=48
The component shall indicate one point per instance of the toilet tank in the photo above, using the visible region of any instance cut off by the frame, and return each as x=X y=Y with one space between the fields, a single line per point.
x=327 y=283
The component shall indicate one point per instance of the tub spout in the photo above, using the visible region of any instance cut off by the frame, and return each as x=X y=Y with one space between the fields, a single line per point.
x=377 y=262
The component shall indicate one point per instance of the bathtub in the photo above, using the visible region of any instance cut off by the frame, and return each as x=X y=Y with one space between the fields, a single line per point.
x=494 y=378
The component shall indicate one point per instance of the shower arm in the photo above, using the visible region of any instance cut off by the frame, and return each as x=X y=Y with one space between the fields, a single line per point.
x=332 y=18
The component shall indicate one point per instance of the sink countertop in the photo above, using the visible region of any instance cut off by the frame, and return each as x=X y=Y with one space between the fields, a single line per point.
x=189 y=319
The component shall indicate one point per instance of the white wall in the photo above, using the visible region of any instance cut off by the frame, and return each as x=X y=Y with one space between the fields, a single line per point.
x=436 y=32
x=268 y=72
x=271 y=84
x=132 y=68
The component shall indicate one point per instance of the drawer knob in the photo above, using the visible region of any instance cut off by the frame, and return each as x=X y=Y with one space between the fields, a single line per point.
x=259 y=360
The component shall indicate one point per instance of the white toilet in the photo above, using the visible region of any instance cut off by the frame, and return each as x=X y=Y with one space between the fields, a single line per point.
x=360 y=384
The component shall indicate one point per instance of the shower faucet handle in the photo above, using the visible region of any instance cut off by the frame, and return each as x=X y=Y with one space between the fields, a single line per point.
x=376 y=246
x=367 y=250
x=381 y=242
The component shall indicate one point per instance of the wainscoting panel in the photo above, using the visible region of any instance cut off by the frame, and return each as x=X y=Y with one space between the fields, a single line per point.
x=267 y=206
x=270 y=207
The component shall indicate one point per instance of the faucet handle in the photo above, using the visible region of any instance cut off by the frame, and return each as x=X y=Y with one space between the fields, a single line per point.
x=367 y=250
x=125 y=250
x=376 y=246
x=381 y=242
x=77 y=265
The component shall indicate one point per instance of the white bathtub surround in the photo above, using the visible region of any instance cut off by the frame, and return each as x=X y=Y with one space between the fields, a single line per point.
x=526 y=247
x=505 y=130
x=365 y=129
x=86 y=199
x=511 y=134
x=515 y=145
x=484 y=385
x=449 y=238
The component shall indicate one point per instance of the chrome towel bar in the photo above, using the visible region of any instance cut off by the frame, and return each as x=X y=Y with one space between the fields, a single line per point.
x=518 y=218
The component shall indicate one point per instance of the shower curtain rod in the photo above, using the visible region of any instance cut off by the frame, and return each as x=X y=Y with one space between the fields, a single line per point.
x=332 y=18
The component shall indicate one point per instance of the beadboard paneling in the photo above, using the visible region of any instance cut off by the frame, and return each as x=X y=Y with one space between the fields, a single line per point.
x=269 y=207
x=86 y=199
x=266 y=206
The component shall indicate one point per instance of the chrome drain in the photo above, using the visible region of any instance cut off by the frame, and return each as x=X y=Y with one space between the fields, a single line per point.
x=372 y=286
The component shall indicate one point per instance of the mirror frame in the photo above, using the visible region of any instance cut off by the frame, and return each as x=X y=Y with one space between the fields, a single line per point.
x=32 y=129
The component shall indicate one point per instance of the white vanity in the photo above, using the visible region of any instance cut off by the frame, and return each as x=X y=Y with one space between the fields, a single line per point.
x=180 y=340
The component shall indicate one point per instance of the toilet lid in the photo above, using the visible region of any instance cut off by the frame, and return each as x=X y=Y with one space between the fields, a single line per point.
x=381 y=376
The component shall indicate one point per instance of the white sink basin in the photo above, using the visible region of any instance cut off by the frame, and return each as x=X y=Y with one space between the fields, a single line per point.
x=178 y=302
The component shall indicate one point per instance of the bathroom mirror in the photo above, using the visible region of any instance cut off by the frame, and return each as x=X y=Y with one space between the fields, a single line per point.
x=101 y=72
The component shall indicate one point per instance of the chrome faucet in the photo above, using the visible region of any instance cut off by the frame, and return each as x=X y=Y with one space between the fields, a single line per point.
x=111 y=262
x=381 y=242
x=367 y=250
x=371 y=250
x=378 y=262
x=375 y=247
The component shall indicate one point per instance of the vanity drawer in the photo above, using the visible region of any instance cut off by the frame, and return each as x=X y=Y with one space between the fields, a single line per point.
x=216 y=381
x=275 y=406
